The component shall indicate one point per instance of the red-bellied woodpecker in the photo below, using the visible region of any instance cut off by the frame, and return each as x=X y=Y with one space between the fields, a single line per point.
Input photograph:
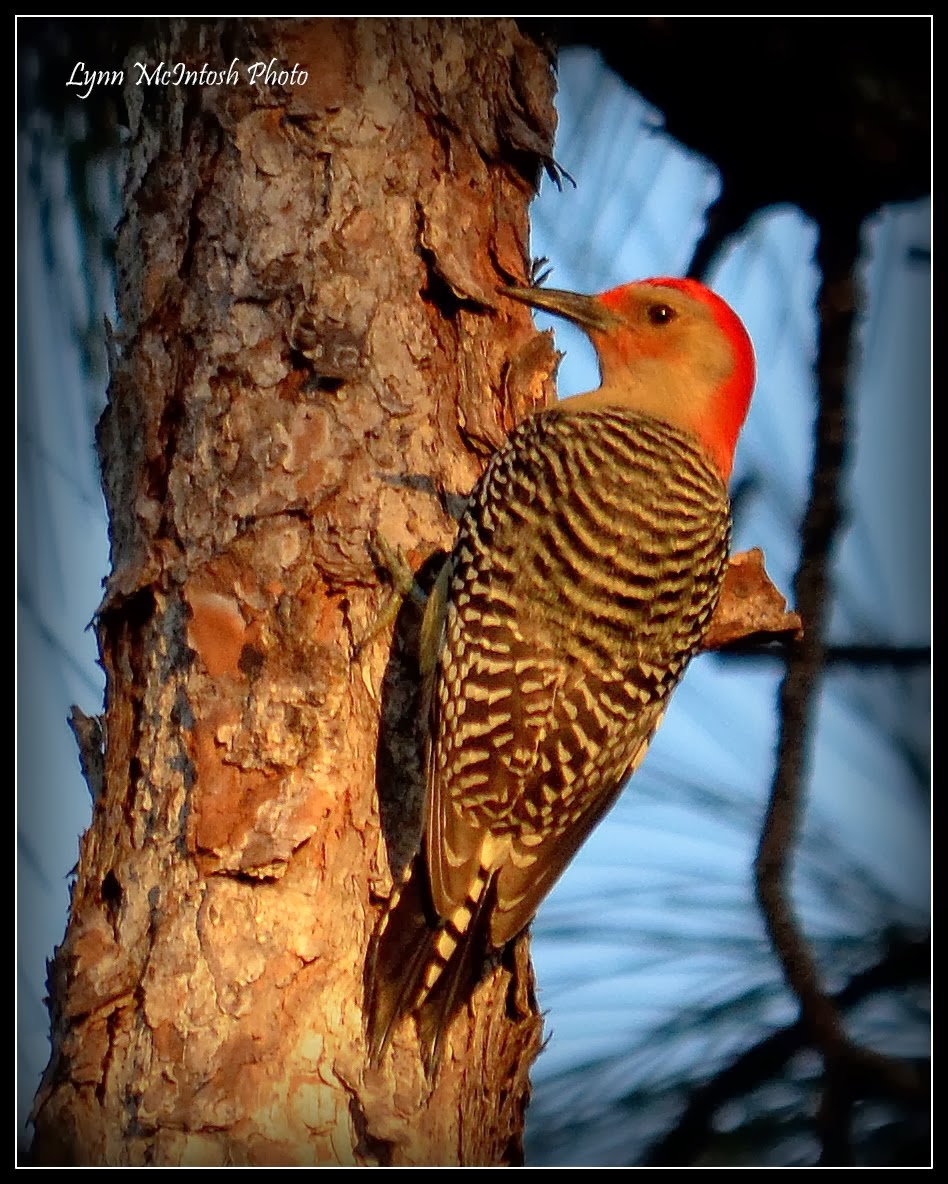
x=587 y=567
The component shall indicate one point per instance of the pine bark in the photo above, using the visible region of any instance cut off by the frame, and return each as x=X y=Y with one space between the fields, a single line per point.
x=310 y=349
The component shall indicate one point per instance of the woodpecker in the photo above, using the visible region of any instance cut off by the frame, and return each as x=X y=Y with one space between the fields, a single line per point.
x=586 y=569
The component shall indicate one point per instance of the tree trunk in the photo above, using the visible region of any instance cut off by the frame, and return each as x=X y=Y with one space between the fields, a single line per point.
x=310 y=349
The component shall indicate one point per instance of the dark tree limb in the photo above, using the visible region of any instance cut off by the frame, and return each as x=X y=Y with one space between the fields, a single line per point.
x=860 y=657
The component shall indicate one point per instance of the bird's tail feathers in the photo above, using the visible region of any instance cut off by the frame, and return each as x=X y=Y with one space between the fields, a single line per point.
x=421 y=964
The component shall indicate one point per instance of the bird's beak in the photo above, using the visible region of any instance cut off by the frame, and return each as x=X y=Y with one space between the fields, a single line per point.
x=585 y=311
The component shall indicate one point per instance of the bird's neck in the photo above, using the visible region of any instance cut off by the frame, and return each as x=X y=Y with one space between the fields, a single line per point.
x=701 y=418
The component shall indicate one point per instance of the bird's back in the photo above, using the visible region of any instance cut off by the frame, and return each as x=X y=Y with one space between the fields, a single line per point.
x=585 y=572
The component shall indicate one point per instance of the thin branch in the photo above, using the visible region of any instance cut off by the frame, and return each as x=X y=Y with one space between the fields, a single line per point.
x=882 y=656
x=805 y=661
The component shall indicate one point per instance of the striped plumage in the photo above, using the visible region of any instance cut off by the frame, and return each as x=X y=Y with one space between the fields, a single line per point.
x=585 y=572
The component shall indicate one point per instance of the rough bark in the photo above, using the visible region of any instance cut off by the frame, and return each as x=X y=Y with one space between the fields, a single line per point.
x=310 y=348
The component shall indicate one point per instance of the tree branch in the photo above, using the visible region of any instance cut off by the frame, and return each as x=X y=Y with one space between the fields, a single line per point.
x=751 y=611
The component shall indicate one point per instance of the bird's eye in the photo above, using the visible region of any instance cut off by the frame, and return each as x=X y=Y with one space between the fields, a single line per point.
x=661 y=314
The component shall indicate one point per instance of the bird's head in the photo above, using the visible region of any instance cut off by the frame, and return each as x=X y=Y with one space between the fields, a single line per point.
x=669 y=348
